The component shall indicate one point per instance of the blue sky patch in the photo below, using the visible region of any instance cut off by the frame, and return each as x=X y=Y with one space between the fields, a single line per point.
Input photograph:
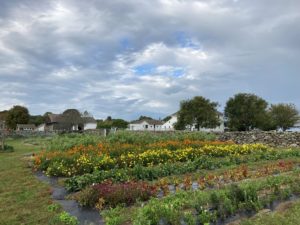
x=178 y=72
x=185 y=41
x=144 y=69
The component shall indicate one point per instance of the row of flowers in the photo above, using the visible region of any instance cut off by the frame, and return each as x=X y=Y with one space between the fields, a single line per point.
x=212 y=180
x=209 y=207
x=117 y=149
x=87 y=159
x=110 y=194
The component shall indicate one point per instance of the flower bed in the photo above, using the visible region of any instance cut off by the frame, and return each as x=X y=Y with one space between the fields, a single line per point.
x=111 y=194
x=204 y=207
x=116 y=193
x=139 y=172
x=86 y=159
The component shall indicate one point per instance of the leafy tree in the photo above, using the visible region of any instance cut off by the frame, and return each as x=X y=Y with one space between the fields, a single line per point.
x=166 y=118
x=3 y=115
x=268 y=123
x=107 y=124
x=283 y=115
x=198 y=111
x=36 y=120
x=119 y=123
x=245 y=112
x=104 y=124
x=145 y=118
x=17 y=115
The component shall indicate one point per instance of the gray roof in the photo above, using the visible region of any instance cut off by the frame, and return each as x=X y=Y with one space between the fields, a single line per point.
x=28 y=126
x=60 y=118
x=56 y=118
x=149 y=121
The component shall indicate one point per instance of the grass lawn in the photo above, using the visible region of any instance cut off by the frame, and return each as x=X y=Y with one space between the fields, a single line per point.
x=23 y=199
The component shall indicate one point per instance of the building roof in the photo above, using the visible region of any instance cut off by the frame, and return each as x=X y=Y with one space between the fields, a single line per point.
x=88 y=119
x=56 y=118
x=27 y=126
x=60 y=118
x=149 y=121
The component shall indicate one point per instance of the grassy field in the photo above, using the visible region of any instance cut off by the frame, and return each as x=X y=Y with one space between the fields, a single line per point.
x=23 y=199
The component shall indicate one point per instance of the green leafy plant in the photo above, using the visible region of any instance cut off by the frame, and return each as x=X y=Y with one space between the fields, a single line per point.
x=67 y=219
x=53 y=207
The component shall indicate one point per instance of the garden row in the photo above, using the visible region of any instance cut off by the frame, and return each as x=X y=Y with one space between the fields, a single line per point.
x=203 y=162
x=109 y=194
x=210 y=206
x=81 y=160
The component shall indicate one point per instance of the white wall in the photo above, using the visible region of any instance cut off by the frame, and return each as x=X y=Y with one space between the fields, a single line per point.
x=88 y=126
x=144 y=126
x=169 y=125
x=41 y=127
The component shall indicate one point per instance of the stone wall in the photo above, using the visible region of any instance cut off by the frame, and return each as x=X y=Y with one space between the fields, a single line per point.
x=274 y=139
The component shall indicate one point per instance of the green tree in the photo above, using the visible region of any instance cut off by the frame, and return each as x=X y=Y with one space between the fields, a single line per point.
x=119 y=123
x=17 y=115
x=36 y=120
x=245 y=112
x=3 y=115
x=109 y=123
x=104 y=124
x=284 y=116
x=145 y=118
x=166 y=118
x=198 y=111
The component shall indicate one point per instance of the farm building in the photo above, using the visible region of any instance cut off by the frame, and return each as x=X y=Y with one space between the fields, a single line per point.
x=146 y=125
x=25 y=127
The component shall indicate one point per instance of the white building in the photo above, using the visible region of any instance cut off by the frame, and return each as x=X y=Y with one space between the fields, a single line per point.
x=25 y=127
x=89 y=123
x=146 y=124
x=56 y=122
x=169 y=125
x=41 y=127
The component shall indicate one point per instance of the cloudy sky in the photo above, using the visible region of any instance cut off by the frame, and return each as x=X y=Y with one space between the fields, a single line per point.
x=134 y=57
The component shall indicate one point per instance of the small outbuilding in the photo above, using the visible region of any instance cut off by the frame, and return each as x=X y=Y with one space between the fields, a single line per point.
x=25 y=127
x=146 y=125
